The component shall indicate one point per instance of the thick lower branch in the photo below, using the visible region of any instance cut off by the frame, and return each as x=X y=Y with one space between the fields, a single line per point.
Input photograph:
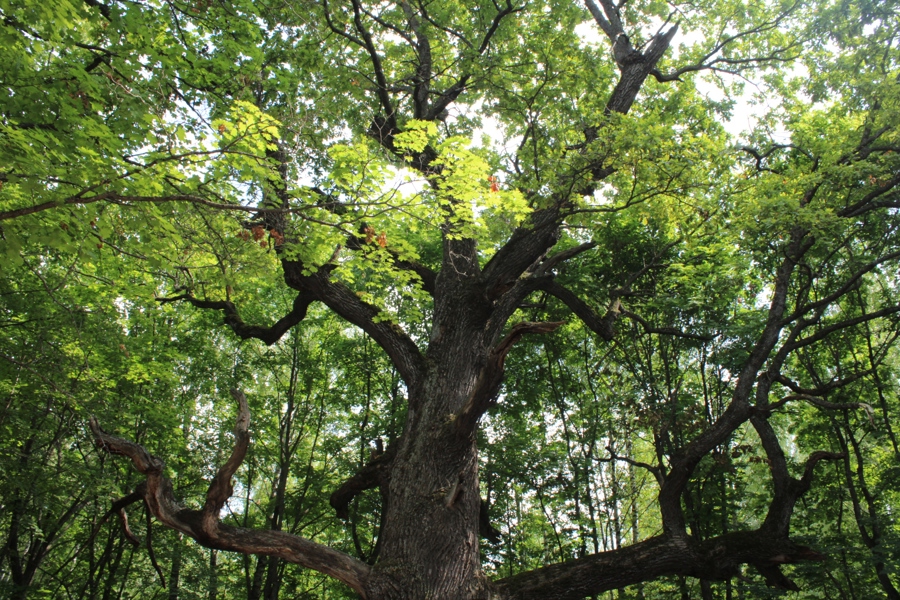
x=204 y=525
x=716 y=559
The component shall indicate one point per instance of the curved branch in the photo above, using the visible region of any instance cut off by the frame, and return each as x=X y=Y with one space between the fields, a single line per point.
x=603 y=326
x=118 y=508
x=525 y=247
x=220 y=489
x=715 y=559
x=657 y=471
x=269 y=335
x=373 y=474
x=852 y=283
x=204 y=526
x=786 y=489
x=550 y=263
x=822 y=403
x=400 y=348
x=488 y=383
x=369 y=45
x=826 y=331
x=739 y=409
x=824 y=388
x=704 y=63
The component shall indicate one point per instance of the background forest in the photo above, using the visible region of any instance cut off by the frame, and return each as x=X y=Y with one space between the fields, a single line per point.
x=138 y=139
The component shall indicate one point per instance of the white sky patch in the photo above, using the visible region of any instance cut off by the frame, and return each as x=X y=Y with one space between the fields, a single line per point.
x=406 y=182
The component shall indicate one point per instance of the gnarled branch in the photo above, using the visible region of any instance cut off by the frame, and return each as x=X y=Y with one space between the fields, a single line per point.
x=715 y=559
x=204 y=525
x=269 y=335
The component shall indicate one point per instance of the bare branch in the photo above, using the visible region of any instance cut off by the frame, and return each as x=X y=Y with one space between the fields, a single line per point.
x=118 y=508
x=160 y=501
x=822 y=403
x=269 y=335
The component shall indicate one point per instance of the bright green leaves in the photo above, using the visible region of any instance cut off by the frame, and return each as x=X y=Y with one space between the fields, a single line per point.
x=245 y=134
x=117 y=106
x=470 y=197
x=462 y=193
x=416 y=136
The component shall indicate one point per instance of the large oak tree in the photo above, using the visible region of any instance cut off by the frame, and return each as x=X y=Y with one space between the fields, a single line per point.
x=224 y=143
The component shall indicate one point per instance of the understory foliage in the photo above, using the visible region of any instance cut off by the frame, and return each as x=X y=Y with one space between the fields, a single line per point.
x=690 y=208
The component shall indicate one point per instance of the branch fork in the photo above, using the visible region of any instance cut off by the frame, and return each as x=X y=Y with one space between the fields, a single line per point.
x=488 y=383
x=204 y=525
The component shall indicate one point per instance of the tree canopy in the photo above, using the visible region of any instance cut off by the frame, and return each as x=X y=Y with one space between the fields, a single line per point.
x=508 y=300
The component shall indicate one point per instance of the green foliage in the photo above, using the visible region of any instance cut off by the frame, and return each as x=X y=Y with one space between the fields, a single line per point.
x=141 y=144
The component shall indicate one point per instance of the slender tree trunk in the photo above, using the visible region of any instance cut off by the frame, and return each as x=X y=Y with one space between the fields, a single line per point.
x=213 y=587
x=175 y=573
x=867 y=517
x=109 y=590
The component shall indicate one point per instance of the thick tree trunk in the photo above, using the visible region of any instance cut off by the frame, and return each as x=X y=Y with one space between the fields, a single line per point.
x=429 y=545
x=430 y=539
